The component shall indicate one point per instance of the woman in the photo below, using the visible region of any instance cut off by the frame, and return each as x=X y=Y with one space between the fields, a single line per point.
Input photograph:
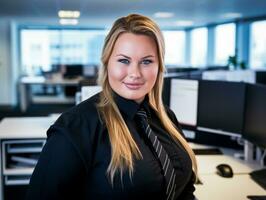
x=100 y=150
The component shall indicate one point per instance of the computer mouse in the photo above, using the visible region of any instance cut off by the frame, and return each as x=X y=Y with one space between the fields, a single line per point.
x=225 y=170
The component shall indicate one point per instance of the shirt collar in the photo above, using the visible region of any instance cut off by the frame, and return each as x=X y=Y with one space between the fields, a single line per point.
x=130 y=107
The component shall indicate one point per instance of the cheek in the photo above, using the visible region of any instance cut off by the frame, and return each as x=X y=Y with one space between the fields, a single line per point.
x=151 y=75
x=115 y=72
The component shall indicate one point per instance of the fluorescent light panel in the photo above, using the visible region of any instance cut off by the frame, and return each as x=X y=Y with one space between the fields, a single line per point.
x=231 y=15
x=184 y=23
x=64 y=21
x=163 y=14
x=68 y=14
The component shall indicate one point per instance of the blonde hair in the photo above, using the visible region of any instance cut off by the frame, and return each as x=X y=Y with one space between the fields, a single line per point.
x=124 y=148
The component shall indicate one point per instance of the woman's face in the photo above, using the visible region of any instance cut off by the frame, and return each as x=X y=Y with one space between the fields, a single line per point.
x=133 y=66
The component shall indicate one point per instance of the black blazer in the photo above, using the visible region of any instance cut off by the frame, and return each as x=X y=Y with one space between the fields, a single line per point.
x=77 y=153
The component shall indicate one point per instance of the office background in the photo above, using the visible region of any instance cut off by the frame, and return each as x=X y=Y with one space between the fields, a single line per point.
x=246 y=34
x=215 y=80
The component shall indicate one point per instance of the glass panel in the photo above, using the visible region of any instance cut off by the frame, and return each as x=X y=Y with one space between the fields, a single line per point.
x=258 y=44
x=199 y=47
x=174 y=47
x=40 y=49
x=224 y=43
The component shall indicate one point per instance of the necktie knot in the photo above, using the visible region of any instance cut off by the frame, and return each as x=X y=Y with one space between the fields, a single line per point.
x=142 y=114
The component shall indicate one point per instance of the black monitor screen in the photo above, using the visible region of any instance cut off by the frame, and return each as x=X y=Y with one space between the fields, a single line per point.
x=73 y=70
x=221 y=106
x=166 y=91
x=255 y=115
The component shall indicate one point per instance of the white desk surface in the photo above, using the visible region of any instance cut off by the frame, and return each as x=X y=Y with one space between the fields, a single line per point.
x=207 y=164
x=56 y=80
x=25 y=127
x=236 y=188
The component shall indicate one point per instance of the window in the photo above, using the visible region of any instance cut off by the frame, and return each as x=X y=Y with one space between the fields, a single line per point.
x=41 y=49
x=224 y=43
x=174 y=47
x=199 y=47
x=257 y=44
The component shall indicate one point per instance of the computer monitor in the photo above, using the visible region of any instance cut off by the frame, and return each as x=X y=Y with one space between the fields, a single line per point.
x=166 y=91
x=221 y=107
x=167 y=86
x=255 y=115
x=73 y=70
x=184 y=100
x=90 y=70
x=261 y=76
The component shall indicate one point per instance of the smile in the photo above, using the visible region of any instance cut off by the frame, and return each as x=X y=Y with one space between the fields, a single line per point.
x=134 y=86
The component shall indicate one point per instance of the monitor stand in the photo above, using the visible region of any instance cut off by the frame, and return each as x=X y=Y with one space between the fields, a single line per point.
x=248 y=151
x=252 y=154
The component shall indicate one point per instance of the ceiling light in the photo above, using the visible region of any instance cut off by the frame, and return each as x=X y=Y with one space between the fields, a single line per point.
x=68 y=14
x=184 y=23
x=68 y=21
x=163 y=14
x=231 y=15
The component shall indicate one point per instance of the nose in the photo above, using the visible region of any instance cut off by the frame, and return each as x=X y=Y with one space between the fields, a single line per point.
x=134 y=71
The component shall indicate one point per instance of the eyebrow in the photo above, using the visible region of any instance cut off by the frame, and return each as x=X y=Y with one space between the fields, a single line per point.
x=123 y=56
x=130 y=58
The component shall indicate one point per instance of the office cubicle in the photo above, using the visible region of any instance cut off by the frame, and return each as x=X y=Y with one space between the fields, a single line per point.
x=255 y=127
x=235 y=110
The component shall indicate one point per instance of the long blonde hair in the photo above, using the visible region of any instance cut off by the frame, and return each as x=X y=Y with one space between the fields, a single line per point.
x=124 y=148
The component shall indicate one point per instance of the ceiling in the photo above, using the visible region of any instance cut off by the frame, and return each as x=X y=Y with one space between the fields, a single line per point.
x=101 y=13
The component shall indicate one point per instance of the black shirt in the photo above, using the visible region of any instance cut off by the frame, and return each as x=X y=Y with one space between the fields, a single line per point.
x=77 y=153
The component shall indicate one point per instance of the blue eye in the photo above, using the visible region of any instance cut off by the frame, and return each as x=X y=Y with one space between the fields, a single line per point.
x=146 y=62
x=124 y=61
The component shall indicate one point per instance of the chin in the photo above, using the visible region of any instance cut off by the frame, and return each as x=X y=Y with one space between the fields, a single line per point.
x=134 y=97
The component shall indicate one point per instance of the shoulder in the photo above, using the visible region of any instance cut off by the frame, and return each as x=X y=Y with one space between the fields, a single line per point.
x=79 y=126
x=79 y=121
x=86 y=111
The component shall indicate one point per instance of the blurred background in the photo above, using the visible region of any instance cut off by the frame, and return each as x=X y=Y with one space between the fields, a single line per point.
x=37 y=40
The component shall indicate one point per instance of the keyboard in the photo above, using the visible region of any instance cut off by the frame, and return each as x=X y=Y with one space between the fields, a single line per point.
x=256 y=197
x=259 y=176
x=209 y=151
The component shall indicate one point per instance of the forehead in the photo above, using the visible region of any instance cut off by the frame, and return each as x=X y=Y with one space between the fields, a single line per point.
x=129 y=43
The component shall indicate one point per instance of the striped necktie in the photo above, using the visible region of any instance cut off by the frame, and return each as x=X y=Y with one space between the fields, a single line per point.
x=168 y=169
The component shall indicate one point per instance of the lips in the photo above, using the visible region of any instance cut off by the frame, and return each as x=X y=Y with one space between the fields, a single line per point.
x=134 y=86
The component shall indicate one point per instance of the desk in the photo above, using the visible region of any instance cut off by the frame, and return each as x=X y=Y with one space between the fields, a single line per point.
x=26 y=83
x=218 y=188
x=207 y=163
x=25 y=128
x=214 y=187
